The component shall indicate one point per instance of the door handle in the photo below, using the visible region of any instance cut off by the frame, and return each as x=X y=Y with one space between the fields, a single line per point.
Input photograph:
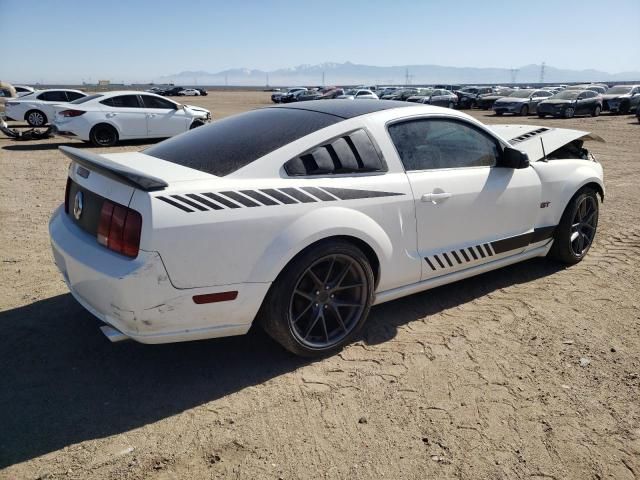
x=436 y=197
x=151 y=115
x=110 y=115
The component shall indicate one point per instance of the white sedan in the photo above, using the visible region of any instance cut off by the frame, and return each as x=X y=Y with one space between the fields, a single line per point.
x=358 y=94
x=104 y=119
x=189 y=92
x=303 y=216
x=37 y=108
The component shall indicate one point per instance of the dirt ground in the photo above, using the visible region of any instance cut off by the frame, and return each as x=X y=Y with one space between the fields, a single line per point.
x=481 y=379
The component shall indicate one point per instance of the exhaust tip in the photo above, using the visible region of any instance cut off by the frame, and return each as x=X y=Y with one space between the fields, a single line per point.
x=112 y=334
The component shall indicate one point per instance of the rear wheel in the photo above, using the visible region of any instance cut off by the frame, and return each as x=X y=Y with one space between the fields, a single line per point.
x=320 y=300
x=596 y=111
x=103 y=135
x=524 y=111
x=36 y=118
x=576 y=231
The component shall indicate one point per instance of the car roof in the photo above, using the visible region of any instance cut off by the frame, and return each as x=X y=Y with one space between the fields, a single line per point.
x=343 y=109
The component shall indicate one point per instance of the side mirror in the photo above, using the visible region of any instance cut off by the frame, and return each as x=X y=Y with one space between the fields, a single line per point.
x=512 y=158
x=179 y=106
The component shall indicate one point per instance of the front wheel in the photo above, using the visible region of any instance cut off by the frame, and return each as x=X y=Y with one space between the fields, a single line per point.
x=541 y=115
x=576 y=231
x=450 y=105
x=524 y=111
x=569 y=112
x=624 y=108
x=320 y=300
x=596 y=111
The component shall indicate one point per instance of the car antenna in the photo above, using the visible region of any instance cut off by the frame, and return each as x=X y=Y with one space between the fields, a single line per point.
x=544 y=154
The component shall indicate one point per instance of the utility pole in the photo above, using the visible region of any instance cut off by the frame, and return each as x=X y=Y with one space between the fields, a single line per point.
x=542 y=72
x=226 y=80
x=323 y=79
x=406 y=76
x=267 y=79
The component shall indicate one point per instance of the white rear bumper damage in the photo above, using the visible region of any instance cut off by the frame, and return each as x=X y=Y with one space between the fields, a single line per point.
x=136 y=297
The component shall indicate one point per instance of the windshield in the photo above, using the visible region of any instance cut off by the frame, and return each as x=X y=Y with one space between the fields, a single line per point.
x=618 y=90
x=86 y=99
x=351 y=92
x=469 y=90
x=567 y=95
x=521 y=93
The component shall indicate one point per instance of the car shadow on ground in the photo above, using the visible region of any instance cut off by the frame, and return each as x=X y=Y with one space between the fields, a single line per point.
x=29 y=145
x=63 y=383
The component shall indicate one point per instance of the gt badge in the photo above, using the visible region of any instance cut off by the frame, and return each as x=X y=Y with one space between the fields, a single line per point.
x=77 y=205
x=545 y=204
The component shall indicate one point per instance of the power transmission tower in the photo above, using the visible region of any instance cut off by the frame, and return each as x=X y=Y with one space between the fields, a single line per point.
x=267 y=80
x=323 y=79
x=542 y=72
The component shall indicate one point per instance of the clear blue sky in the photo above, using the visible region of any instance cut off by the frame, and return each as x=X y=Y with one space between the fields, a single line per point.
x=137 y=40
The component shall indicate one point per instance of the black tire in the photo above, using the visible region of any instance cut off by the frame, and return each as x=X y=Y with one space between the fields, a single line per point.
x=103 y=135
x=524 y=111
x=565 y=249
x=290 y=296
x=196 y=124
x=624 y=108
x=36 y=118
x=596 y=111
x=499 y=114
x=569 y=112
x=541 y=115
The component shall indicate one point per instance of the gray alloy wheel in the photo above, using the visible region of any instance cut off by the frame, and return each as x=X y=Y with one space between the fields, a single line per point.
x=328 y=301
x=524 y=111
x=596 y=111
x=569 y=112
x=576 y=231
x=36 y=118
x=583 y=227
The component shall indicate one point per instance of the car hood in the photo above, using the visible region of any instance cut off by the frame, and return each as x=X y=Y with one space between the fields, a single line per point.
x=556 y=101
x=490 y=97
x=195 y=109
x=530 y=139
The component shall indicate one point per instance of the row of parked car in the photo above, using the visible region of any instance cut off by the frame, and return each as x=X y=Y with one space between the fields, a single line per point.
x=557 y=101
x=172 y=91
x=104 y=118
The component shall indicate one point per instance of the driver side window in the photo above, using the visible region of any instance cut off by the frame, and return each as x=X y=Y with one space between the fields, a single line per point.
x=429 y=144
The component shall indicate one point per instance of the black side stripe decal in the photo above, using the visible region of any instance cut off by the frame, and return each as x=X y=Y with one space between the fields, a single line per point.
x=259 y=197
x=268 y=197
x=240 y=199
x=189 y=202
x=204 y=201
x=281 y=197
x=175 y=204
x=490 y=249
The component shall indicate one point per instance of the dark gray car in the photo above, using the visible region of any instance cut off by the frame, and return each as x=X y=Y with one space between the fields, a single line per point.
x=520 y=102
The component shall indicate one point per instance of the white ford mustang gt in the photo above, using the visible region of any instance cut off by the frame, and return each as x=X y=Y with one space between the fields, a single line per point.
x=106 y=118
x=301 y=217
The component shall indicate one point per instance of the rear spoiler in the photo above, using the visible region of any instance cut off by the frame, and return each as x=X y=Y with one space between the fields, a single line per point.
x=115 y=170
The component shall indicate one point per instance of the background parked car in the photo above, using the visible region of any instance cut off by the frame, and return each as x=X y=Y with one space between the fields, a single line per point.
x=293 y=95
x=23 y=90
x=202 y=91
x=451 y=88
x=521 y=102
x=569 y=103
x=358 y=94
x=104 y=119
x=37 y=107
x=172 y=91
x=622 y=98
x=589 y=86
x=332 y=93
x=485 y=101
x=7 y=91
x=189 y=92
x=638 y=113
x=441 y=98
x=403 y=94
x=467 y=96
x=277 y=96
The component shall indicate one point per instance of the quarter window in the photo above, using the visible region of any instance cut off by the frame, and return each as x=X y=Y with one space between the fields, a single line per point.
x=74 y=96
x=438 y=143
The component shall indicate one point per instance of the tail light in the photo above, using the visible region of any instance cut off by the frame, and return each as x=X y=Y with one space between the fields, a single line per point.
x=119 y=229
x=72 y=113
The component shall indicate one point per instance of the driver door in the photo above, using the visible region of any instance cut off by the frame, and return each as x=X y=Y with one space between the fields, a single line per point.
x=469 y=211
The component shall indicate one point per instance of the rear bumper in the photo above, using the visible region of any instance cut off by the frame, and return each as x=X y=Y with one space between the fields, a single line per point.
x=136 y=296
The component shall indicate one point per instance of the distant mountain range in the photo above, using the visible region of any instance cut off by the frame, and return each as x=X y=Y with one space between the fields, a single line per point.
x=353 y=74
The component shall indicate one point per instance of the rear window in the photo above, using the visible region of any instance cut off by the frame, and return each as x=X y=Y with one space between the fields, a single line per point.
x=227 y=145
